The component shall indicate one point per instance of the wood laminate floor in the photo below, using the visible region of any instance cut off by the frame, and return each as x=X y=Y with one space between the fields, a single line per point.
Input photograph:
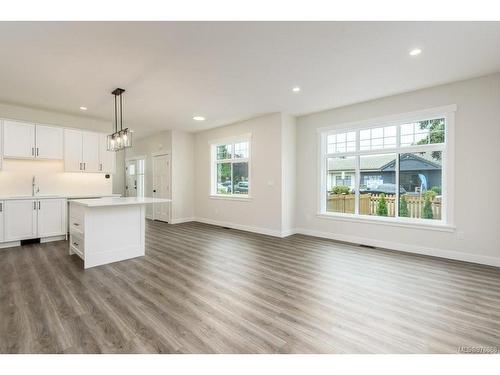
x=205 y=289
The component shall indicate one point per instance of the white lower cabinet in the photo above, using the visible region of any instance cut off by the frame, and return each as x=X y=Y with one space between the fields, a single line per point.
x=51 y=217
x=33 y=218
x=20 y=219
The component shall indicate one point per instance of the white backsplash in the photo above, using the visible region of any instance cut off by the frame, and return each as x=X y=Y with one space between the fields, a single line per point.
x=16 y=177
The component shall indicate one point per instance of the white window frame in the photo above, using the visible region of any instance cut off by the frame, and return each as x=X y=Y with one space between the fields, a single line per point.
x=448 y=166
x=213 y=163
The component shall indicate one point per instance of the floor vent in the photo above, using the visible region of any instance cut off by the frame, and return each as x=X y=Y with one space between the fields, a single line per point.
x=30 y=241
x=368 y=246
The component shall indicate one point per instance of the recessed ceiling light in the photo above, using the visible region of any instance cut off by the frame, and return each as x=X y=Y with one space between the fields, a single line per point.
x=296 y=89
x=83 y=108
x=199 y=118
x=415 y=52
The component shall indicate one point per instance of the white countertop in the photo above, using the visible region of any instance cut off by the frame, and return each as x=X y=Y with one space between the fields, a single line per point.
x=117 y=201
x=81 y=196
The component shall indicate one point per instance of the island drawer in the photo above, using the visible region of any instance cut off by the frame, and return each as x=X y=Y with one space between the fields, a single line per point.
x=76 y=223
x=77 y=245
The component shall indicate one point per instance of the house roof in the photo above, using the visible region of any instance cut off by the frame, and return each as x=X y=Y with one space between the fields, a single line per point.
x=380 y=162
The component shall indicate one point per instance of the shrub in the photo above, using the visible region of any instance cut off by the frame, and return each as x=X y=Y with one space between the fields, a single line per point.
x=403 y=207
x=382 y=206
x=427 y=211
x=340 y=189
x=436 y=189
x=431 y=194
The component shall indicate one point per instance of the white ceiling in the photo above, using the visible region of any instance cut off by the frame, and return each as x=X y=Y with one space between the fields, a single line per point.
x=229 y=71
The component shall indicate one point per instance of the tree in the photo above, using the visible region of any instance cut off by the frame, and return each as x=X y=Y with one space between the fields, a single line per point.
x=436 y=134
x=382 y=206
x=427 y=211
x=403 y=207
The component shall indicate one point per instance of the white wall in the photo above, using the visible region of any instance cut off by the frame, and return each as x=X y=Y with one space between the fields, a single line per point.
x=182 y=176
x=263 y=212
x=16 y=175
x=477 y=219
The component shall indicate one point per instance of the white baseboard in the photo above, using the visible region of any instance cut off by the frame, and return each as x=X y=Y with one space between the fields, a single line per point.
x=435 y=252
x=53 y=238
x=407 y=248
x=248 y=228
x=182 y=220
x=4 y=245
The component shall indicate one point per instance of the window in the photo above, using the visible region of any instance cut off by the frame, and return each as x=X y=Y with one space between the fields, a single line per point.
x=230 y=168
x=394 y=171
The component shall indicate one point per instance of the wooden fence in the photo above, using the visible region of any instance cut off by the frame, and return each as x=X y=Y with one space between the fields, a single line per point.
x=368 y=204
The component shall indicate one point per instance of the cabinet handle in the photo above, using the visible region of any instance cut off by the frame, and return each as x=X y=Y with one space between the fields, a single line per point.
x=37 y=151
x=76 y=224
x=39 y=205
x=32 y=151
x=34 y=205
x=84 y=166
x=100 y=166
x=75 y=243
x=1 y=207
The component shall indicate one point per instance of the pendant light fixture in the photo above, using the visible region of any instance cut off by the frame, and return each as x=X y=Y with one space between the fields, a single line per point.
x=122 y=138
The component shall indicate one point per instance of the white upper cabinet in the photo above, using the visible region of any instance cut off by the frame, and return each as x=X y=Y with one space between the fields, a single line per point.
x=49 y=142
x=106 y=158
x=90 y=158
x=18 y=139
x=23 y=140
x=73 y=150
x=85 y=152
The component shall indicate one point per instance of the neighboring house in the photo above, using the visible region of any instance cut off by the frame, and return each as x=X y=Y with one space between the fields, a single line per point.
x=380 y=169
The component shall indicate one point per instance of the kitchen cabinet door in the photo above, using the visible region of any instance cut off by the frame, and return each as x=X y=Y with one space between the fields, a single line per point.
x=18 y=139
x=73 y=150
x=90 y=154
x=49 y=142
x=51 y=217
x=106 y=158
x=20 y=219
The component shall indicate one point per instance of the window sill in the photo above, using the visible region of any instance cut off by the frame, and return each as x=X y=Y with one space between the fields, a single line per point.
x=395 y=222
x=243 y=198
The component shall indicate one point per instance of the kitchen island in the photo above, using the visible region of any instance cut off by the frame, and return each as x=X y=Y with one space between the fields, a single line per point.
x=107 y=230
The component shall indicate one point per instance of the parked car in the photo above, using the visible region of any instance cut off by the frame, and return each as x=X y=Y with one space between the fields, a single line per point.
x=224 y=187
x=241 y=187
x=383 y=188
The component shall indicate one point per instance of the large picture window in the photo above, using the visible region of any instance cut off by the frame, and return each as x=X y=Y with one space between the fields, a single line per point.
x=230 y=168
x=393 y=172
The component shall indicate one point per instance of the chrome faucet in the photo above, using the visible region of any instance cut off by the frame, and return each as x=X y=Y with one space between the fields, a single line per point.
x=34 y=189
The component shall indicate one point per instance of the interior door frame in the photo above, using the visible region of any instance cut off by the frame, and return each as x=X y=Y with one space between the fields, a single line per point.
x=153 y=156
x=134 y=158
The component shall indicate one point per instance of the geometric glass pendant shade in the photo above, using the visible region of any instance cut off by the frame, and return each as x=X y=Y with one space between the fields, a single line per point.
x=121 y=138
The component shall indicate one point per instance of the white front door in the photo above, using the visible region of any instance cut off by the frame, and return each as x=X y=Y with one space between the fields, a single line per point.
x=131 y=178
x=161 y=186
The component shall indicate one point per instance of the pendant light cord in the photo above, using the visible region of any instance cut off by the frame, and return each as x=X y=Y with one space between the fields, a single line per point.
x=116 y=117
x=121 y=113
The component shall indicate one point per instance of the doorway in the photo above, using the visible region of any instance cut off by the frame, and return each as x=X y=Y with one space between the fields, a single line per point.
x=161 y=186
x=134 y=181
